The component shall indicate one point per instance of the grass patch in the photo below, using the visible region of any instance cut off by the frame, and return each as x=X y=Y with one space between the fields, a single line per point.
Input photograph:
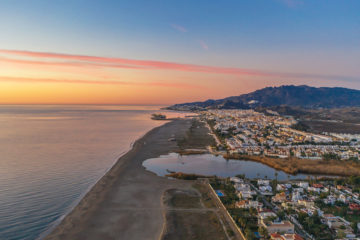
x=182 y=198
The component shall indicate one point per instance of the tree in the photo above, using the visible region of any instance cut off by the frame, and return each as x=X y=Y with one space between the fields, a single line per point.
x=281 y=215
x=341 y=234
x=253 y=211
x=263 y=232
x=331 y=156
x=249 y=234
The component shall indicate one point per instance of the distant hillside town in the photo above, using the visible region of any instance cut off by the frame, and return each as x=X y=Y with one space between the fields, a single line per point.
x=253 y=133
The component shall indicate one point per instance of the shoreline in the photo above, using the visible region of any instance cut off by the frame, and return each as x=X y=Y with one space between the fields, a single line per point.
x=76 y=223
x=76 y=202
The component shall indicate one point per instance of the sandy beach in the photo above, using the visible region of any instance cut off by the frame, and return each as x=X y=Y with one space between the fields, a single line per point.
x=126 y=202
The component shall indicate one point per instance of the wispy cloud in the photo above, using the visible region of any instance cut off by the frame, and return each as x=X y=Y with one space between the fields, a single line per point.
x=204 y=45
x=58 y=59
x=178 y=28
x=97 y=82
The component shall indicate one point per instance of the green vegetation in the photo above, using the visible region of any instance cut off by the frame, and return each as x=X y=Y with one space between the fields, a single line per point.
x=300 y=126
x=246 y=219
x=312 y=224
x=353 y=181
x=230 y=197
x=185 y=176
x=331 y=156
x=340 y=209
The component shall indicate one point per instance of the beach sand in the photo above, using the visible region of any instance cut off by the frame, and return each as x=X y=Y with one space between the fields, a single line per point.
x=126 y=202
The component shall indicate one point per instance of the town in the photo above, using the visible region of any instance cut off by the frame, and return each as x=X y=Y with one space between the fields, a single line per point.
x=297 y=209
x=269 y=134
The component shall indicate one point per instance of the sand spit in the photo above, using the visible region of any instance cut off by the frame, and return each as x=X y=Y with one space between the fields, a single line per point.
x=126 y=202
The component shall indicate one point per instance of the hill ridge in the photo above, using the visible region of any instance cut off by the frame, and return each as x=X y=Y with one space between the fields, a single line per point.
x=303 y=96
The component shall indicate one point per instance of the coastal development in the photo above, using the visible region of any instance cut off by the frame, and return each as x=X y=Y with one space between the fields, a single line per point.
x=129 y=199
x=279 y=142
x=271 y=135
x=297 y=209
x=180 y=120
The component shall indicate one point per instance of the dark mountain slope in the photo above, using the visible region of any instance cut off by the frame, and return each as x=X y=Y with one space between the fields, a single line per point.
x=294 y=96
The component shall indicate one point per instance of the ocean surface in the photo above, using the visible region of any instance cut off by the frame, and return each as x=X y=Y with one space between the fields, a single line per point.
x=50 y=156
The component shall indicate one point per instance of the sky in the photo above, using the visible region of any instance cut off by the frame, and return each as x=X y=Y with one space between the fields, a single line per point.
x=172 y=51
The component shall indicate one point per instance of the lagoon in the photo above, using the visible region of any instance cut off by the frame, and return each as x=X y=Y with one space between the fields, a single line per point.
x=208 y=164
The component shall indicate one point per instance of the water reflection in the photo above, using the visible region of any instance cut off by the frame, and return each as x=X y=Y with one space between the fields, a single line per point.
x=207 y=164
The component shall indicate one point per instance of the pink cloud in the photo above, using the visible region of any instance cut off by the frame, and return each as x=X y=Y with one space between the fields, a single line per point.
x=203 y=45
x=178 y=28
x=107 y=82
x=53 y=59
x=122 y=63
x=66 y=63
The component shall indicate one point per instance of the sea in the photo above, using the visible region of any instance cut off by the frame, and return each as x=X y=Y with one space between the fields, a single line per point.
x=51 y=155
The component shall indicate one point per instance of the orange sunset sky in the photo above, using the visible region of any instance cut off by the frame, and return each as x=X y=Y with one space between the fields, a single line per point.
x=142 y=53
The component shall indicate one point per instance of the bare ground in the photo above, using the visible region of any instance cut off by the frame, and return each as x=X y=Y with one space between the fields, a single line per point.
x=188 y=218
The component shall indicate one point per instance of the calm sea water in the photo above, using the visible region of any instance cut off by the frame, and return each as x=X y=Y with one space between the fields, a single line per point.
x=207 y=164
x=51 y=155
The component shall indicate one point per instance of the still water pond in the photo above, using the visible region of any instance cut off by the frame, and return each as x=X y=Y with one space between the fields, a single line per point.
x=208 y=164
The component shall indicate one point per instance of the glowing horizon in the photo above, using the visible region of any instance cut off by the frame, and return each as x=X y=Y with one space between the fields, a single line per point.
x=163 y=61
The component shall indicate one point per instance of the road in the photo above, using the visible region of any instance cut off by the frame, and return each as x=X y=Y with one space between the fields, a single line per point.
x=238 y=233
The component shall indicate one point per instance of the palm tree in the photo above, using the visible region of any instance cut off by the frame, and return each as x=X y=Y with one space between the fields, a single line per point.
x=276 y=175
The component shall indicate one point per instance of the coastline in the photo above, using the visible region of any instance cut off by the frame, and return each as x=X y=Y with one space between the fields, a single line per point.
x=78 y=200
x=93 y=208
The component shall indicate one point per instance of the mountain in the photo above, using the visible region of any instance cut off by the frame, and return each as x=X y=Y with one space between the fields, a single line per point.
x=287 y=95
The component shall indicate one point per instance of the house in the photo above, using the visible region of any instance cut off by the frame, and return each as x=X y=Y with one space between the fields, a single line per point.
x=236 y=180
x=242 y=187
x=266 y=190
x=330 y=200
x=314 y=189
x=333 y=221
x=276 y=236
x=279 y=198
x=354 y=206
x=342 y=198
x=296 y=196
x=240 y=204
x=263 y=182
x=303 y=184
x=248 y=204
x=306 y=203
x=278 y=227
x=283 y=187
x=291 y=237
x=266 y=214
